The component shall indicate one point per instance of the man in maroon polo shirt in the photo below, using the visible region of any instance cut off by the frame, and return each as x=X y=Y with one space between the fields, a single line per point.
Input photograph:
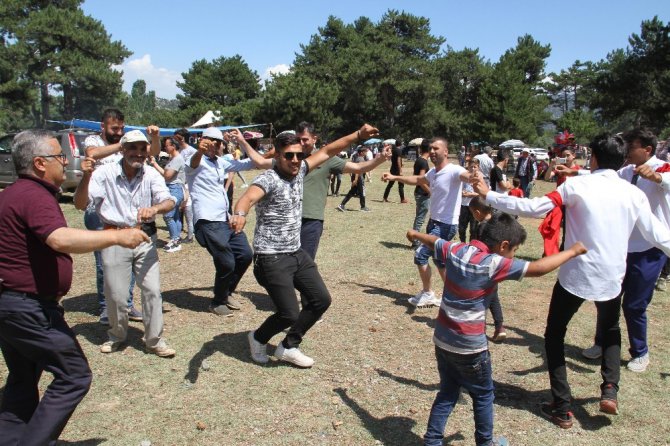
x=35 y=273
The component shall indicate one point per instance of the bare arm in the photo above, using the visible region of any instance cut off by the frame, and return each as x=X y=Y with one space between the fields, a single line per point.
x=77 y=241
x=427 y=239
x=98 y=153
x=547 y=264
x=412 y=180
x=367 y=166
x=81 y=194
x=249 y=198
x=154 y=134
x=257 y=159
x=319 y=157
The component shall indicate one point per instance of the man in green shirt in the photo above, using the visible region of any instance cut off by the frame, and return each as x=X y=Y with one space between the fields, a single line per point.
x=316 y=186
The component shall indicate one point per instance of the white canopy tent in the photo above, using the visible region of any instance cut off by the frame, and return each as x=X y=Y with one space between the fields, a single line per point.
x=208 y=118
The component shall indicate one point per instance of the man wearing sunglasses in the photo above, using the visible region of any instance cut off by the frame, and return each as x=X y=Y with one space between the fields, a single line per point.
x=35 y=274
x=280 y=265
x=205 y=175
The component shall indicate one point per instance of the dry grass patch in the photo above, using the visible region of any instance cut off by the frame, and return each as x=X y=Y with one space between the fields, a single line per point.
x=375 y=375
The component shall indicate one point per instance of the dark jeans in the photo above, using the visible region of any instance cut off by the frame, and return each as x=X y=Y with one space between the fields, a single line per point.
x=231 y=254
x=465 y=220
x=401 y=190
x=310 y=235
x=642 y=270
x=562 y=308
x=496 y=311
x=281 y=275
x=473 y=372
x=34 y=337
x=356 y=189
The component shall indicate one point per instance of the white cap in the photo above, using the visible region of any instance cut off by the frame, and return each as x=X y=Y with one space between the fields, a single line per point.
x=134 y=136
x=389 y=141
x=212 y=132
x=525 y=149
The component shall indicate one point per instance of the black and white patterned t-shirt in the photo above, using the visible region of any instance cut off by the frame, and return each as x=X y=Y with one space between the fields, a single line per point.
x=279 y=212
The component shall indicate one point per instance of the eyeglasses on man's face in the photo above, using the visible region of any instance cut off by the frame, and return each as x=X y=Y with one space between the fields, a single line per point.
x=60 y=156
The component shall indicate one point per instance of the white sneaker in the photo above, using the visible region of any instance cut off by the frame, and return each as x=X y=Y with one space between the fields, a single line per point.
x=593 y=352
x=425 y=299
x=294 y=356
x=414 y=299
x=639 y=364
x=259 y=352
x=172 y=246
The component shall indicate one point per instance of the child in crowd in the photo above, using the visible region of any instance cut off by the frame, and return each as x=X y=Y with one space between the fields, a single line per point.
x=482 y=213
x=516 y=191
x=472 y=275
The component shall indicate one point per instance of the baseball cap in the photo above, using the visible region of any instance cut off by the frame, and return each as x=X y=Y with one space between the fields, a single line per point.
x=133 y=136
x=212 y=133
x=525 y=149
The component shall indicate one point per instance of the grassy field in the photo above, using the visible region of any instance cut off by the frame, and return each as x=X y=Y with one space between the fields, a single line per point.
x=375 y=375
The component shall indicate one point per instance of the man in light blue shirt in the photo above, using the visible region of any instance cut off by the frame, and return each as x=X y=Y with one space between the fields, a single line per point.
x=205 y=175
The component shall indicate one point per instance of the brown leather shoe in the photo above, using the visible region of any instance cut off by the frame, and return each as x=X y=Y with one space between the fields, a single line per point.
x=404 y=201
x=562 y=420
x=610 y=407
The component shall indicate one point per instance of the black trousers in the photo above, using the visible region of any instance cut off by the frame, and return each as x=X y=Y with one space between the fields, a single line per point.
x=401 y=190
x=34 y=337
x=281 y=275
x=562 y=308
x=465 y=220
x=356 y=189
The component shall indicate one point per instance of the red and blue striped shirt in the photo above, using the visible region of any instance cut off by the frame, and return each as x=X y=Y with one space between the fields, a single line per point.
x=472 y=276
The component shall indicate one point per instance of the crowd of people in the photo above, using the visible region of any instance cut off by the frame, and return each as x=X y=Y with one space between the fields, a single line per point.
x=124 y=188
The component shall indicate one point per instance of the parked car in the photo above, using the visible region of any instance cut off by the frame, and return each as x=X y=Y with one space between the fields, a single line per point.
x=72 y=143
x=540 y=154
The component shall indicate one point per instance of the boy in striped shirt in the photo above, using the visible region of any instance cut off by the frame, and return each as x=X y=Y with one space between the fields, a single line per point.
x=472 y=275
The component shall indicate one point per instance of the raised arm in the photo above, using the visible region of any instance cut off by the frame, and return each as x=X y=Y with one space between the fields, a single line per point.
x=320 y=156
x=81 y=194
x=535 y=208
x=77 y=241
x=257 y=159
x=367 y=166
x=411 y=180
x=154 y=134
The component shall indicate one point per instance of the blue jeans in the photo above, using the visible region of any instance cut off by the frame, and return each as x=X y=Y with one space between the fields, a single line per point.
x=422 y=207
x=442 y=230
x=231 y=254
x=93 y=223
x=173 y=218
x=473 y=372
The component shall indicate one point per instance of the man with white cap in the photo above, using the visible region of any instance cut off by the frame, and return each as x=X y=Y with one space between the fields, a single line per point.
x=205 y=175
x=126 y=195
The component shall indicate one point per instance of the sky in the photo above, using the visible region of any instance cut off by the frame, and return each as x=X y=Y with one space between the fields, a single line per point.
x=167 y=36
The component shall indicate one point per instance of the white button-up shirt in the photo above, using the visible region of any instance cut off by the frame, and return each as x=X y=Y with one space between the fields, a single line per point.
x=602 y=211
x=117 y=199
x=657 y=194
x=205 y=184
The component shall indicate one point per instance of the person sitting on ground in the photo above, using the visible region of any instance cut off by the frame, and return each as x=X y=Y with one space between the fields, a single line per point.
x=473 y=273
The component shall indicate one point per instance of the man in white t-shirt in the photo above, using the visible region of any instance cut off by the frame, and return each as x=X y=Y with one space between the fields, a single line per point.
x=446 y=183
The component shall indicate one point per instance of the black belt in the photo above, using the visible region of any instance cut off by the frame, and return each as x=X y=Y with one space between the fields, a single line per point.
x=277 y=254
x=148 y=228
x=33 y=296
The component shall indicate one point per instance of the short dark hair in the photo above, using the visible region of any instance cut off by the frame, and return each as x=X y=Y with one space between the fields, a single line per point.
x=305 y=126
x=284 y=140
x=516 y=181
x=502 y=155
x=425 y=145
x=568 y=149
x=478 y=204
x=609 y=151
x=644 y=135
x=112 y=113
x=183 y=133
x=502 y=227
x=442 y=139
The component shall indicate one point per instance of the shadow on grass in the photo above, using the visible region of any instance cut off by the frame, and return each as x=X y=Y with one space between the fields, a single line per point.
x=399 y=298
x=387 y=430
x=395 y=245
x=664 y=375
x=234 y=345
x=96 y=334
x=89 y=442
x=535 y=345
x=515 y=397
x=86 y=303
